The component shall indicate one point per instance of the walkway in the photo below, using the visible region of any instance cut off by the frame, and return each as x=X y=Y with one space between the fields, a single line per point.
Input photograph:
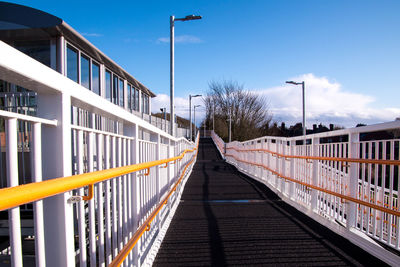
x=225 y=218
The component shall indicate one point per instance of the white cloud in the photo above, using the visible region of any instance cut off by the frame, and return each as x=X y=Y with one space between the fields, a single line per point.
x=184 y=39
x=181 y=106
x=92 y=34
x=326 y=102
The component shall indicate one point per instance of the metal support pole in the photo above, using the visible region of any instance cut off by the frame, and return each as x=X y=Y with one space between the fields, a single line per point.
x=190 y=117
x=213 y=117
x=230 y=126
x=304 y=109
x=172 y=113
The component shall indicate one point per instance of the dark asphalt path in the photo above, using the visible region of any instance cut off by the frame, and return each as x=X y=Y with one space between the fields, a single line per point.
x=225 y=218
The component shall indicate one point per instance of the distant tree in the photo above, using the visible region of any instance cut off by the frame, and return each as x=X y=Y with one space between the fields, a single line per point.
x=249 y=111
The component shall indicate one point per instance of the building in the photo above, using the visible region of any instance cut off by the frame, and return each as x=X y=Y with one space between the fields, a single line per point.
x=51 y=41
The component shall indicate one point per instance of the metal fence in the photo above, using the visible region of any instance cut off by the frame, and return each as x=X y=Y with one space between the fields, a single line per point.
x=74 y=131
x=346 y=179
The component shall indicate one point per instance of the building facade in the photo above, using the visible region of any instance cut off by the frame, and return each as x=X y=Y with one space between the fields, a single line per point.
x=54 y=43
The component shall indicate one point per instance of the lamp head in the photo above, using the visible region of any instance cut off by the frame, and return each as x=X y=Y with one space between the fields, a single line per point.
x=192 y=17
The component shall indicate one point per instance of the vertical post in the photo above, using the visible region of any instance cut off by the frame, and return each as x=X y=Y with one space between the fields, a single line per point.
x=38 y=205
x=283 y=166
x=213 y=117
x=354 y=139
x=172 y=113
x=190 y=117
x=58 y=212
x=304 y=109
x=314 y=193
x=292 y=163
x=92 y=217
x=135 y=191
x=12 y=180
x=230 y=126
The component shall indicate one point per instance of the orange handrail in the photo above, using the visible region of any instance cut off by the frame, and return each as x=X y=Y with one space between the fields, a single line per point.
x=11 y=197
x=364 y=203
x=146 y=225
x=352 y=160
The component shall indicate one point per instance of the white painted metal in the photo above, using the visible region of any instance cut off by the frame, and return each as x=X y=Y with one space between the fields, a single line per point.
x=12 y=180
x=38 y=205
x=374 y=183
x=100 y=135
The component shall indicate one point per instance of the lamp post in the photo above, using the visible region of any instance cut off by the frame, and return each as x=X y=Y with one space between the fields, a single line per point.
x=171 y=25
x=304 y=103
x=190 y=114
x=164 y=110
x=194 y=115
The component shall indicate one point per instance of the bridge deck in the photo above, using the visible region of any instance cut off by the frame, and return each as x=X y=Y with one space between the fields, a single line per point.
x=225 y=218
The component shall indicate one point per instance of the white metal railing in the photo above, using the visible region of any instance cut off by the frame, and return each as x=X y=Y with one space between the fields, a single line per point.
x=76 y=131
x=360 y=196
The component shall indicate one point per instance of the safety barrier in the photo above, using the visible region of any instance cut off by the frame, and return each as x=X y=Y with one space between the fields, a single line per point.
x=347 y=179
x=81 y=137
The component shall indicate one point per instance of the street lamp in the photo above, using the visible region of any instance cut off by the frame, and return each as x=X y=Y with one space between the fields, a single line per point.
x=194 y=115
x=304 y=103
x=164 y=110
x=190 y=113
x=171 y=25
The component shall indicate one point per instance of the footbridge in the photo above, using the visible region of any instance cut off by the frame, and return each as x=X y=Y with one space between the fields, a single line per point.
x=87 y=183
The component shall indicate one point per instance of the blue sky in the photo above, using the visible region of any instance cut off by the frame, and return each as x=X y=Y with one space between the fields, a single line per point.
x=347 y=51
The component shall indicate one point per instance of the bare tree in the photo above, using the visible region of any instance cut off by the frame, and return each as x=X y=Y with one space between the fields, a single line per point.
x=249 y=110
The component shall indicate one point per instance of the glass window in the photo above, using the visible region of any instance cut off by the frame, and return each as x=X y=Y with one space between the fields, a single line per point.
x=108 y=86
x=129 y=96
x=137 y=100
x=133 y=98
x=85 y=72
x=72 y=63
x=121 y=93
x=115 y=90
x=96 y=78
x=142 y=104
x=39 y=50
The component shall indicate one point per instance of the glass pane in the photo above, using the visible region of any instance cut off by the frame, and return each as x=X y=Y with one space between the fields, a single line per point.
x=96 y=78
x=121 y=93
x=108 y=85
x=133 y=98
x=85 y=72
x=137 y=100
x=115 y=90
x=129 y=96
x=39 y=50
x=72 y=64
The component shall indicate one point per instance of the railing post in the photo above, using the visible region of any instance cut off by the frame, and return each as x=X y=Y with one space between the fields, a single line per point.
x=268 y=177
x=292 y=194
x=12 y=180
x=56 y=148
x=38 y=205
x=283 y=166
x=314 y=193
x=262 y=159
x=352 y=182
x=135 y=192
x=158 y=188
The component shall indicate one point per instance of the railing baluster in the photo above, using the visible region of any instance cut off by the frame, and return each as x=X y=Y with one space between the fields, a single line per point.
x=100 y=200
x=108 y=239
x=81 y=204
x=92 y=216
x=38 y=205
x=14 y=220
x=114 y=199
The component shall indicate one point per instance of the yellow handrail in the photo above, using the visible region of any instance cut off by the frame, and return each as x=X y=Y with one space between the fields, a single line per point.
x=146 y=225
x=346 y=197
x=352 y=160
x=11 y=197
